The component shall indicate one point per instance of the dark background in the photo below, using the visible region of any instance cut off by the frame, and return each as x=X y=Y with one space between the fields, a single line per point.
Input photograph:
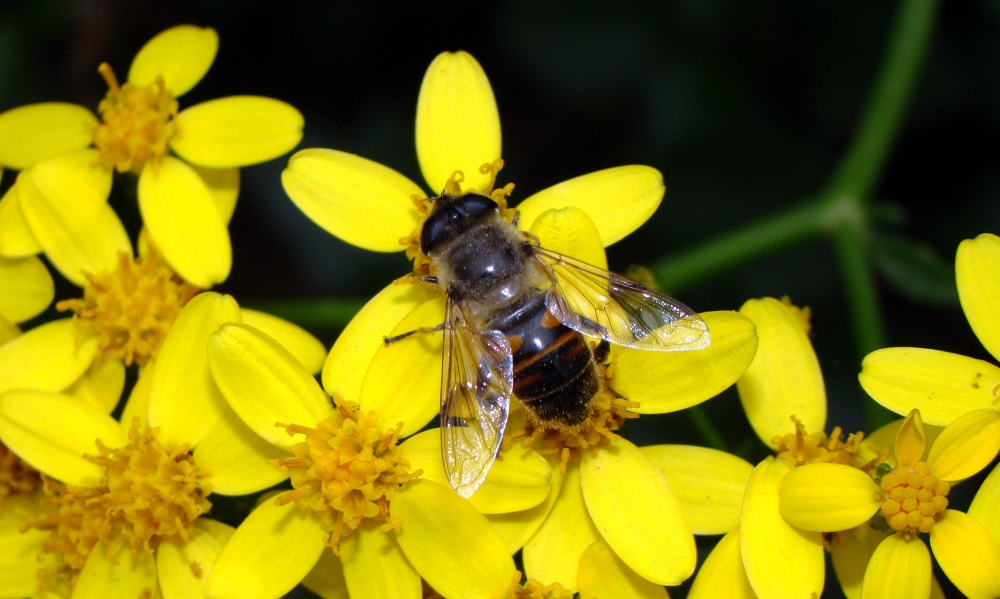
x=745 y=108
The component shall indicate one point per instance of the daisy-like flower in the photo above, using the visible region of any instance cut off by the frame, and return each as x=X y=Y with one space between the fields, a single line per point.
x=943 y=385
x=363 y=518
x=182 y=158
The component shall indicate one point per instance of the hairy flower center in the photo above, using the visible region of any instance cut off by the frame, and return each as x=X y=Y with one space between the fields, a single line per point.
x=800 y=448
x=75 y=525
x=912 y=498
x=132 y=307
x=16 y=477
x=346 y=470
x=138 y=122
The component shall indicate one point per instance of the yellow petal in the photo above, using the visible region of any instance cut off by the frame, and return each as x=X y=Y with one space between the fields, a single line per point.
x=885 y=436
x=224 y=186
x=851 y=555
x=184 y=567
x=237 y=131
x=709 y=484
x=270 y=553
x=618 y=199
x=348 y=360
x=458 y=125
x=326 y=579
x=827 y=497
x=669 y=381
x=943 y=386
x=518 y=479
x=899 y=567
x=264 y=383
x=36 y=132
x=784 y=379
x=358 y=200
x=966 y=446
x=985 y=507
x=553 y=553
x=781 y=560
x=603 y=574
x=976 y=266
x=137 y=405
x=8 y=330
x=18 y=560
x=114 y=567
x=968 y=554
x=723 y=574
x=374 y=566
x=70 y=218
x=52 y=432
x=48 y=357
x=570 y=231
x=306 y=348
x=101 y=386
x=27 y=288
x=515 y=528
x=183 y=398
x=637 y=513
x=481 y=568
x=237 y=458
x=910 y=440
x=391 y=386
x=182 y=218
x=16 y=238
x=180 y=55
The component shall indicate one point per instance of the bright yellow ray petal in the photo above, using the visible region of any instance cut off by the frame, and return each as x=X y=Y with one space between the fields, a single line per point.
x=270 y=553
x=27 y=288
x=48 y=357
x=968 y=554
x=966 y=446
x=781 y=560
x=723 y=574
x=390 y=387
x=374 y=566
x=618 y=199
x=116 y=568
x=326 y=579
x=360 y=201
x=183 y=398
x=237 y=131
x=518 y=479
x=264 y=383
x=308 y=349
x=224 y=186
x=52 y=432
x=237 y=458
x=976 y=266
x=911 y=442
x=480 y=568
x=553 y=553
x=348 y=360
x=985 y=507
x=137 y=405
x=101 y=386
x=852 y=549
x=182 y=218
x=570 y=231
x=16 y=238
x=516 y=528
x=669 y=381
x=36 y=132
x=183 y=568
x=709 y=484
x=181 y=55
x=784 y=379
x=942 y=385
x=458 y=125
x=637 y=513
x=899 y=567
x=8 y=330
x=827 y=497
x=19 y=558
x=603 y=574
x=886 y=436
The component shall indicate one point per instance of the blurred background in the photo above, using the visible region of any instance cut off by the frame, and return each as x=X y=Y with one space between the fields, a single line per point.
x=744 y=107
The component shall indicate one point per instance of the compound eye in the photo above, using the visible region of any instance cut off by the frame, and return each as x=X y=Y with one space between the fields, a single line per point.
x=435 y=229
x=476 y=205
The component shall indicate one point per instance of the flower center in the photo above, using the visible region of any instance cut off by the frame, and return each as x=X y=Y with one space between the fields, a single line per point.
x=532 y=589
x=138 y=122
x=16 y=477
x=346 y=470
x=132 y=307
x=800 y=448
x=912 y=498
x=75 y=526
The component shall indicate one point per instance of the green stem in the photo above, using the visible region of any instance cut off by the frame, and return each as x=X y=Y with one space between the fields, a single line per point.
x=312 y=313
x=707 y=428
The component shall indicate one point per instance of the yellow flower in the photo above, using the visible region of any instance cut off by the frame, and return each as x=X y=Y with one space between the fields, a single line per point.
x=58 y=204
x=942 y=385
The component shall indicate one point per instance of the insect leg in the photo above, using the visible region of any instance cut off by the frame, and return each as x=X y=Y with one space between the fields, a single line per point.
x=402 y=336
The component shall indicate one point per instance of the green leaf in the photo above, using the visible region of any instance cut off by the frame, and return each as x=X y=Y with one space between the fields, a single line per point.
x=915 y=270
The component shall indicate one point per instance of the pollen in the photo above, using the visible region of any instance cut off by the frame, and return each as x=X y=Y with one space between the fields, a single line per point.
x=137 y=123
x=912 y=498
x=346 y=470
x=532 y=589
x=16 y=476
x=132 y=307
x=800 y=448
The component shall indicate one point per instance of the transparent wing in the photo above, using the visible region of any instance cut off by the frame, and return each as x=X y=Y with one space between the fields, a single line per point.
x=599 y=303
x=476 y=385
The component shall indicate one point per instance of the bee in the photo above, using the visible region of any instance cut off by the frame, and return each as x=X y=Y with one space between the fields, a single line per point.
x=518 y=319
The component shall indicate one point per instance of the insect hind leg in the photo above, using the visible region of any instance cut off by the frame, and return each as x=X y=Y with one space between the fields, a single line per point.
x=421 y=330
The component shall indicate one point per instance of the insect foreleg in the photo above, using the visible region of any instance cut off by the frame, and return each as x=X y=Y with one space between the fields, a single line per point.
x=402 y=336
